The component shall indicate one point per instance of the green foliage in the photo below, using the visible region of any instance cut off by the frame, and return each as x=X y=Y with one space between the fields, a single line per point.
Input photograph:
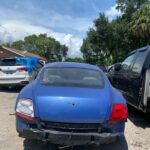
x=80 y=60
x=140 y=24
x=18 y=44
x=94 y=46
x=129 y=6
x=109 y=41
x=44 y=46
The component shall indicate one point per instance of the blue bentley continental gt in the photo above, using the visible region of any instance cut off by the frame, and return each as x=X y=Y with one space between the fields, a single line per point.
x=70 y=104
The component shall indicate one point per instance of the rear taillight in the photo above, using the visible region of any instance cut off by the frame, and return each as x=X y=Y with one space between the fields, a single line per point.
x=118 y=113
x=25 y=116
x=22 y=69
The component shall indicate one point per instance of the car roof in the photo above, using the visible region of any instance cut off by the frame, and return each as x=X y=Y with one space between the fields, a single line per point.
x=140 y=50
x=72 y=65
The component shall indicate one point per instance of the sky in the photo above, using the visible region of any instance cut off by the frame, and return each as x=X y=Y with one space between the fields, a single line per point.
x=65 y=20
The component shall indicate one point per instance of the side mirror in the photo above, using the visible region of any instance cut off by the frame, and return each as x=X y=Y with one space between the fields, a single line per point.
x=118 y=67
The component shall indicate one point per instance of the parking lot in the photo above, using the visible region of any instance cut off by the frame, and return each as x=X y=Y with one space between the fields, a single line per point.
x=137 y=134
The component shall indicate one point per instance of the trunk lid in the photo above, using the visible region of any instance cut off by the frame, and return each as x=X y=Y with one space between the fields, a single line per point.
x=11 y=71
x=72 y=104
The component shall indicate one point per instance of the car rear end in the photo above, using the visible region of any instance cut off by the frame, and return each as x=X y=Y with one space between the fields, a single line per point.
x=71 y=108
x=13 y=72
x=68 y=133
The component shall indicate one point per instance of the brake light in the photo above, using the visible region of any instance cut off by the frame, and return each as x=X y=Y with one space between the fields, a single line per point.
x=118 y=113
x=25 y=116
x=22 y=69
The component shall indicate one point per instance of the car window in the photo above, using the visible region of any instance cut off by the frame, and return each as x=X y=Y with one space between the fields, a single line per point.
x=126 y=64
x=139 y=62
x=10 y=62
x=21 y=61
x=73 y=77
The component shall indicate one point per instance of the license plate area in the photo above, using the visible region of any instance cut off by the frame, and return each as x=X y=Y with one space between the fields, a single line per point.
x=9 y=71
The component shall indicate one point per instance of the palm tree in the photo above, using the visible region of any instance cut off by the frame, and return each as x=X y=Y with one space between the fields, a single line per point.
x=140 y=24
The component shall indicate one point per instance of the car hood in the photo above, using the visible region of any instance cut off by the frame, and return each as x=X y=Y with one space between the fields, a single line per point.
x=72 y=104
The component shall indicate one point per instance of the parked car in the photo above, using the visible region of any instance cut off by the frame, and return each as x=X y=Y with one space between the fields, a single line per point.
x=71 y=104
x=132 y=78
x=18 y=71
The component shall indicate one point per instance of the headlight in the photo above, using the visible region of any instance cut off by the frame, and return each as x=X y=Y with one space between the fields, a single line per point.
x=24 y=109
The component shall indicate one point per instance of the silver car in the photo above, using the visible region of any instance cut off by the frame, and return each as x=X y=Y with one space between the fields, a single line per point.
x=14 y=72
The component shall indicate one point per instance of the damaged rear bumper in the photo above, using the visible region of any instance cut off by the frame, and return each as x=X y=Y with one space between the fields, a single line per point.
x=67 y=138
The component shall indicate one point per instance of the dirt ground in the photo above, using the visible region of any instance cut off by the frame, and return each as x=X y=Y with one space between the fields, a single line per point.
x=137 y=134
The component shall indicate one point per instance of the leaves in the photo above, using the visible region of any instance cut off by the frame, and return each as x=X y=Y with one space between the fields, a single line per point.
x=74 y=60
x=44 y=46
x=108 y=42
x=94 y=47
x=140 y=24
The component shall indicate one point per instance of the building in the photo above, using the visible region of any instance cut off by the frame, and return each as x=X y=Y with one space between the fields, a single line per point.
x=6 y=52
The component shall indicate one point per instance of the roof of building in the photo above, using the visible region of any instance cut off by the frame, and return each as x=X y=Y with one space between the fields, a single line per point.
x=23 y=53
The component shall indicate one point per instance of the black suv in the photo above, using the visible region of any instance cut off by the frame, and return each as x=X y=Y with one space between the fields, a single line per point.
x=132 y=78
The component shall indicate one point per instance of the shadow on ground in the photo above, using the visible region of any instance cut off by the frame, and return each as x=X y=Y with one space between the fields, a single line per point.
x=139 y=118
x=10 y=90
x=120 y=144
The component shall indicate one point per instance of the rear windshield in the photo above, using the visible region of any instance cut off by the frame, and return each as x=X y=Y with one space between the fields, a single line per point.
x=10 y=62
x=72 y=77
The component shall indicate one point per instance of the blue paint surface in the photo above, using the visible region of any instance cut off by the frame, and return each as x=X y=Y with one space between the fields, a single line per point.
x=72 y=104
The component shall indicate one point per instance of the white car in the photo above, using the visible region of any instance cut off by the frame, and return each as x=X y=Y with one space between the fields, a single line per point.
x=18 y=71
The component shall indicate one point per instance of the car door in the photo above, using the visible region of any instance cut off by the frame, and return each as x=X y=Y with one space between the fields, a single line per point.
x=122 y=80
x=136 y=77
x=111 y=75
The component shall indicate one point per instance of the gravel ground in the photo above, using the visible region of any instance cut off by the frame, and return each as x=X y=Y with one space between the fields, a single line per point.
x=137 y=134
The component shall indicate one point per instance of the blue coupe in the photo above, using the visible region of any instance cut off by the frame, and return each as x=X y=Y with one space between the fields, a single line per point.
x=70 y=104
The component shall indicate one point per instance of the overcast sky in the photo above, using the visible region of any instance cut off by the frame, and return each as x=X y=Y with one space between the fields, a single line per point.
x=65 y=20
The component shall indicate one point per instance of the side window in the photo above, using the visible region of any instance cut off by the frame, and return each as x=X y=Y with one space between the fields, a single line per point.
x=138 y=65
x=126 y=64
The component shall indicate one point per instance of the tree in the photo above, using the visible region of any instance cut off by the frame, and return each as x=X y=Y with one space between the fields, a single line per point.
x=130 y=6
x=140 y=24
x=135 y=17
x=44 y=46
x=18 y=44
x=96 y=47
x=108 y=42
x=77 y=59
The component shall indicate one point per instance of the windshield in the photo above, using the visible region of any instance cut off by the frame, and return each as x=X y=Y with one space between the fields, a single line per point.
x=9 y=62
x=72 y=77
x=13 y=62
